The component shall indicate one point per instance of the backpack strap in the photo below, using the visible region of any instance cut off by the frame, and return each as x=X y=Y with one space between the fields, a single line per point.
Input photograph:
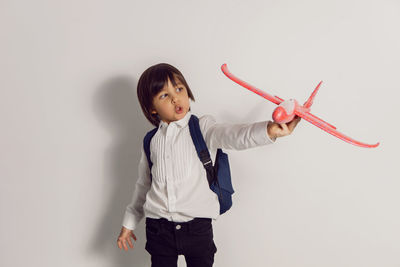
x=201 y=148
x=146 y=147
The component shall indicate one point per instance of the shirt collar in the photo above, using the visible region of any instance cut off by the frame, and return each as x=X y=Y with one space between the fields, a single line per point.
x=182 y=122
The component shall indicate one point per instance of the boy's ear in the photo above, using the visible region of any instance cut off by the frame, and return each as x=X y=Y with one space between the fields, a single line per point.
x=153 y=111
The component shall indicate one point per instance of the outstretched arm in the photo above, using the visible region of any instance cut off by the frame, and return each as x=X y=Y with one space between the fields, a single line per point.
x=234 y=136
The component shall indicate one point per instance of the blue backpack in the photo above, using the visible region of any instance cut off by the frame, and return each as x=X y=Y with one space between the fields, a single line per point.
x=218 y=176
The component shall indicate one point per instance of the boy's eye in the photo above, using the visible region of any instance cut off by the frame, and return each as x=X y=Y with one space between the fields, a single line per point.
x=179 y=89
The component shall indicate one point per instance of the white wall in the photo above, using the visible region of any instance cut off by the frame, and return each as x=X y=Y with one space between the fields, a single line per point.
x=71 y=126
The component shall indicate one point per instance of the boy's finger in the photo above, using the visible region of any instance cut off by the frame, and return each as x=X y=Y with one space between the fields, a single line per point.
x=294 y=123
x=134 y=237
x=130 y=242
x=284 y=127
x=124 y=244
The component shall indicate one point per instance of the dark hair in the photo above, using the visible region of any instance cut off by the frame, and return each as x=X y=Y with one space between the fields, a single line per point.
x=152 y=81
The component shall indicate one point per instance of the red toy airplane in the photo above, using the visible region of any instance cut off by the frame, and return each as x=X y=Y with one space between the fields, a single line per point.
x=288 y=109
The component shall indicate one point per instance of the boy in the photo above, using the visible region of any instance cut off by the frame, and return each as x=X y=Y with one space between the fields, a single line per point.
x=177 y=201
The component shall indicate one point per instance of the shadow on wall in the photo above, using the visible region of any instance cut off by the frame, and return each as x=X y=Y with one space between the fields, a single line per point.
x=117 y=107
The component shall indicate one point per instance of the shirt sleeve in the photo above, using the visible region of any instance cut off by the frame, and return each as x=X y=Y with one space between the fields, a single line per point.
x=234 y=136
x=134 y=210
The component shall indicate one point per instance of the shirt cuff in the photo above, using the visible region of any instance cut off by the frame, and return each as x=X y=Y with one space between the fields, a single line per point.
x=129 y=221
x=261 y=133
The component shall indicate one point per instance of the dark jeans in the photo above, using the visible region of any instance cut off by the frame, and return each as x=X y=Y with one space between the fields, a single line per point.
x=166 y=240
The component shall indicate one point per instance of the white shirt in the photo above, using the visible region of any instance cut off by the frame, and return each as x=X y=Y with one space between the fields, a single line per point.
x=179 y=190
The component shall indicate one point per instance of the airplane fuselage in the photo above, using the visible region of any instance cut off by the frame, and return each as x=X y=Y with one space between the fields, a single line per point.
x=285 y=111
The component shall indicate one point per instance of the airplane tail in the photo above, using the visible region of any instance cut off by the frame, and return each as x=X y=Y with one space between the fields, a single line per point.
x=309 y=101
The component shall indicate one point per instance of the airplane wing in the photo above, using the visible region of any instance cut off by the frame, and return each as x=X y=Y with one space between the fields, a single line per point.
x=274 y=99
x=330 y=128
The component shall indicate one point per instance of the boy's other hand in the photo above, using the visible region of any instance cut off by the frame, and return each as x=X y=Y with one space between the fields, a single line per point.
x=276 y=130
x=125 y=236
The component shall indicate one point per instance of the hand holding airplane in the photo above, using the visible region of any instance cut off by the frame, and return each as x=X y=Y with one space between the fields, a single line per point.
x=288 y=109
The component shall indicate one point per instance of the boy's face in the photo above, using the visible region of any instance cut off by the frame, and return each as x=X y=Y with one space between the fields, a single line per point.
x=171 y=103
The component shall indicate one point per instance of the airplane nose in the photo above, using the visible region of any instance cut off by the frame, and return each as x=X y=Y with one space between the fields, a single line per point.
x=279 y=115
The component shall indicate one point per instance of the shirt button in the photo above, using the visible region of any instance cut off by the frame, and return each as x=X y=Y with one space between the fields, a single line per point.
x=178 y=227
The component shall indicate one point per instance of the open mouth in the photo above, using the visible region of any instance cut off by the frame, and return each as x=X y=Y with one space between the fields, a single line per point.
x=178 y=110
